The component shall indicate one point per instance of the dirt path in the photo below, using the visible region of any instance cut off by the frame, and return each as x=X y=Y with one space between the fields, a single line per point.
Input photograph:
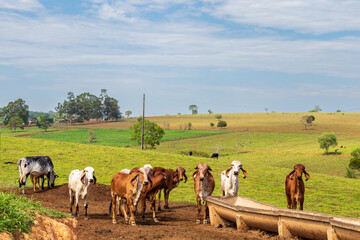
x=178 y=222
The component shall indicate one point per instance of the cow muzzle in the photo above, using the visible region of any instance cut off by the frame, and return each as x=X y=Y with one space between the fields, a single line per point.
x=181 y=179
x=236 y=173
x=201 y=179
x=146 y=183
x=91 y=180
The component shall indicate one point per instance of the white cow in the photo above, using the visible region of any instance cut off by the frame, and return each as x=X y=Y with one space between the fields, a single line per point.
x=79 y=182
x=230 y=179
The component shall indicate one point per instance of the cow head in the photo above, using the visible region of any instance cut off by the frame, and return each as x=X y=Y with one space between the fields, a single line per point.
x=236 y=166
x=202 y=169
x=180 y=172
x=299 y=169
x=89 y=172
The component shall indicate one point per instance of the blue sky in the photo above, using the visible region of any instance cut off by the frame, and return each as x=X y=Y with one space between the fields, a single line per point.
x=224 y=55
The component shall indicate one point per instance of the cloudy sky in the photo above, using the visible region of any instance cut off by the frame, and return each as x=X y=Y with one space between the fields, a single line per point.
x=223 y=55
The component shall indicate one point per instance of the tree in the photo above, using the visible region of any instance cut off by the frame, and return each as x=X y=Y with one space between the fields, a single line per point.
x=44 y=122
x=68 y=109
x=212 y=124
x=221 y=124
x=194 y=109
x=128 y=113
x=88 y=106
x=316 y=109
x=111 y=109
x=152 y=133
x=15 y=122
x=307 y=120
x=326 y=140
x=355 y=160
x=218 y=116
x=210 y=112
x=18 y=109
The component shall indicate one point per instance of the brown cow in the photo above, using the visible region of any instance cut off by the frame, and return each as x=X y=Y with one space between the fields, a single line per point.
x=126 y=186
x=173 y=178
x=149 y=193
x=204 y=185
x=35 y=180
x=295 y=187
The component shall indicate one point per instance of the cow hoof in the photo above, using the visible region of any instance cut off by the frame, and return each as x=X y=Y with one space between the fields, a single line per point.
x=86 y=218
x=143 y=220
x=156 y=220
x=133 y=223
x=166 y=207
x=198 y=221
x=114 y=221
x=205 y=222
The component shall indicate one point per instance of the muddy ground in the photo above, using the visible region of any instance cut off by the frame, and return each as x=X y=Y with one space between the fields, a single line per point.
x=178 y=222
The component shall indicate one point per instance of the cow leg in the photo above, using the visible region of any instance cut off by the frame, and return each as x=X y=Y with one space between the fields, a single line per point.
x=206 y=213
x=293 y=202
x=42 y=182
x=77 y=205
x=71 y=194
x=131 y=208
x=166 y=198
x=198 y=219
x=113 y=201
x=86 y=207
x=48 y=180
x=288 y=197
x=123 y=205
x=33 y=181
x=153 y=207
x=302 y=203
x=159 y=196
x=143 y=201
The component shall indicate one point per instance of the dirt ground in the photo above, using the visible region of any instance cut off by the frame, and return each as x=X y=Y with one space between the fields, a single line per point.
x=178 y=222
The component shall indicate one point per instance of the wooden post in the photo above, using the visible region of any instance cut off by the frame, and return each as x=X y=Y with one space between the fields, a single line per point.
x=283 y=231
x=143 y=124
x=240 y=224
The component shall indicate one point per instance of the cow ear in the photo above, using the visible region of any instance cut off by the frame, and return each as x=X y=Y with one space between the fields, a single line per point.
x=94 y=179
x=306 y=175
x=134 y=179
x=288 y=176
x=194 y=174
x=210 y=169
x=83 y=177
x=227 y=171
x=185 y=177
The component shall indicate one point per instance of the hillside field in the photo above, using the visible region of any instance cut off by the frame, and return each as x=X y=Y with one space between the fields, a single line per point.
x=274 y=143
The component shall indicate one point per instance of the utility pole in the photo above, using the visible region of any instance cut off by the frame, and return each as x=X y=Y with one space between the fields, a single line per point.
x=143 y=124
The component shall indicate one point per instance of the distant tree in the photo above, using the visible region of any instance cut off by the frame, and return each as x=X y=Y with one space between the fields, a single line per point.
x=326 y=140
x=266 y=109
x=212 y=124
x=152 y=135
x=316 y=109
x=218 y=116
x=338 y=110
x=355 y=160
x=221 y=124
x=189 y=125
x=194 y=109
x=18 y=109
x=44 y=122
x=111 y=109
x=88 y=106
x=179 y=114
x=210 y=112
x=67 y=109
x=307 y=120
x=15 y=122
x=128 y=113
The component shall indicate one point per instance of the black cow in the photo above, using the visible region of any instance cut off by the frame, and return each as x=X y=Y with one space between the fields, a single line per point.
x=38 y=166
x=215 y=155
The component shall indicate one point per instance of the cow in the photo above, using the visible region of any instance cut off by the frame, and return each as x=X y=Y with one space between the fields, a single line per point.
x=79 y=182
x=126 y=187
x=149 y=193
x=38 y=166
x=173 y=178
x=294 y=186
x=230 y=179
x=204 y=185
x=215 y=155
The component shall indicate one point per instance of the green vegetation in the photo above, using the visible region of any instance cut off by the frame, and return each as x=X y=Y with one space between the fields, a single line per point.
x=153 y=133
x=327 y=140
x=18 y=213
x=221 y=124
x=44 y=122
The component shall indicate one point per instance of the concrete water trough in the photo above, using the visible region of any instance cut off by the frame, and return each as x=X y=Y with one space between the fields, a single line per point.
x=247 y=213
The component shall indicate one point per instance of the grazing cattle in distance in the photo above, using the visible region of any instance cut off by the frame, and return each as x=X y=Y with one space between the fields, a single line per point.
x=38 y=166
x=190 y=153
x=148 y=193
x=173 y=178
x=215 y=155
x=79 y=182
x=230 y=179
x=128 y=188
x=295 y=187
x=204 y=185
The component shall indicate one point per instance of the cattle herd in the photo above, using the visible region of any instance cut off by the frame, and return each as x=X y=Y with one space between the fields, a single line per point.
x=128 y=187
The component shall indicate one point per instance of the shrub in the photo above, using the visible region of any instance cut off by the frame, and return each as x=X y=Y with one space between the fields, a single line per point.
x=350 y=173
x=212 y=124
x=92 y=136
x=355 y=161
x=195 y=153
x=221 y=124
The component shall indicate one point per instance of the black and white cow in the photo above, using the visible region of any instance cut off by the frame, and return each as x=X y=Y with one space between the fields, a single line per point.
x=38 y=166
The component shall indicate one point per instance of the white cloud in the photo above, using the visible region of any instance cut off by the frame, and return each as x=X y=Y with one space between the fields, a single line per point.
x=21 y=5
x=304 y=16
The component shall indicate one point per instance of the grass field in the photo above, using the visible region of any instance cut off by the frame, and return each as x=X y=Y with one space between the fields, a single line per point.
x=270 y=155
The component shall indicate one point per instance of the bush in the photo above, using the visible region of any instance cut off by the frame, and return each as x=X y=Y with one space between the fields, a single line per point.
x=355 y=161
x=221 y=124
x=195 y=153
x=350 y=173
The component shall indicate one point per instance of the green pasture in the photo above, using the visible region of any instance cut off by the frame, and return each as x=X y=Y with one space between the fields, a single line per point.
x=327 y=191
x=114 y=137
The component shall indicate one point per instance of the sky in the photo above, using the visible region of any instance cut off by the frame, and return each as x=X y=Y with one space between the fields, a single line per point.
x=229 y=56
